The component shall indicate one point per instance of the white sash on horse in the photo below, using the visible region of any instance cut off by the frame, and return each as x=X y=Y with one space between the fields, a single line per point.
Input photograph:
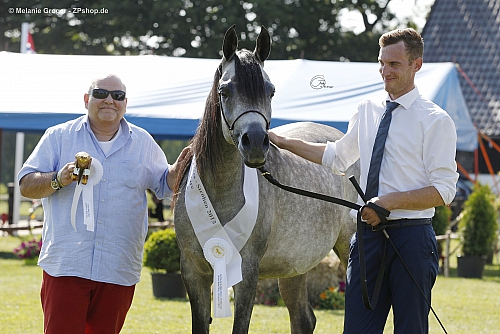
x=210 y=231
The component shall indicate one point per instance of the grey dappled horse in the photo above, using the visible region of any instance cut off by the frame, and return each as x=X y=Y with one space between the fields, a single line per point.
x=292 y=233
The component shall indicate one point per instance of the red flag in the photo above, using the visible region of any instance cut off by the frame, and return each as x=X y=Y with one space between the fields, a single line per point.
x=30 y=44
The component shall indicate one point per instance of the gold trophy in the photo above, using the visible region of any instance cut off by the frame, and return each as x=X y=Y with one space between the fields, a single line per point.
x=82 y=167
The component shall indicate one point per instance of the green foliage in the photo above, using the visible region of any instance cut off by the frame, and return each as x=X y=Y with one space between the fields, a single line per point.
x=172 y=148
x=333 y=298
x=300 y=29
x=161 y=252
x=479 y=223
x=441 y=219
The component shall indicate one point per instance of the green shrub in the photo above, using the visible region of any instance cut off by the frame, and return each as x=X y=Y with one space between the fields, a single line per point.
x=440 y=223
x=441 y=219
x=479 y=223
x=161 y=252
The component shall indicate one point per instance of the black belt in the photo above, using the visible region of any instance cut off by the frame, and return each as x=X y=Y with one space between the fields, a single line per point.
x=401 y=223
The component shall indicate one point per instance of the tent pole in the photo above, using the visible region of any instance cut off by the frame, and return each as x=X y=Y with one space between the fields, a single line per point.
x=17 y=167
x=488 y=163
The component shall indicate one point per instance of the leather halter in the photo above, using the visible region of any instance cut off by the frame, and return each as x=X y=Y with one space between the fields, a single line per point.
x=231 y=127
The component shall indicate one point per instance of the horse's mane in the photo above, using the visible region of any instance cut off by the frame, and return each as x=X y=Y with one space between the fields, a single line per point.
x=205 y=143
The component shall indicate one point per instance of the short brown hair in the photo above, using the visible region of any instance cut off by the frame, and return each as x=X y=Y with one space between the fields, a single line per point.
x=414 y=43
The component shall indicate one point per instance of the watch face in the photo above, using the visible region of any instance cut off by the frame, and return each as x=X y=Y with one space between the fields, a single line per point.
x=54 y=184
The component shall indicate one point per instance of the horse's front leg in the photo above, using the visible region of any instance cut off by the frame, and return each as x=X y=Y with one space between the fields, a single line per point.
x=197 y=279
x=244 y=296
x=293 y=290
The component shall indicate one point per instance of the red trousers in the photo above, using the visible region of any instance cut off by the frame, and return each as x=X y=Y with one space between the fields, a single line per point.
x=81 y=306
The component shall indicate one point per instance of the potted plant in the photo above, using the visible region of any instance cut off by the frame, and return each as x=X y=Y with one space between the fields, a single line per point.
x=478 y=227
x=162 y=256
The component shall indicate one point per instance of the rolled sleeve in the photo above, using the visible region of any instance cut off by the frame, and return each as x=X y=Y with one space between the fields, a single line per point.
x=341 y=154
x=328 y=159
x=439 y=152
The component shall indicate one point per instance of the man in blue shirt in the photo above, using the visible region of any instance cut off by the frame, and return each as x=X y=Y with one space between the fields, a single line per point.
x=93 y=233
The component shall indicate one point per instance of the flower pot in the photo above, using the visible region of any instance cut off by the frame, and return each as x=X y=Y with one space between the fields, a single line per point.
x=167 y=285
x=470 y=266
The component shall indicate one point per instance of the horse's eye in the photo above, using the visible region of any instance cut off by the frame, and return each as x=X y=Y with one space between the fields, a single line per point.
x=222 y=92
x=272 y=94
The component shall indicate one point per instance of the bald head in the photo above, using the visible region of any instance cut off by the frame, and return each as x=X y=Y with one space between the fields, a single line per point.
x=114 y=77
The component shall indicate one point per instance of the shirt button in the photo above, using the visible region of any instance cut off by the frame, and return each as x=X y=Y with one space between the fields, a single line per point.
x=102 y=200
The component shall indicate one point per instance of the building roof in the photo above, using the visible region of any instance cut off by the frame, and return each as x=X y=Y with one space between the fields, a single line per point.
x=467 y=32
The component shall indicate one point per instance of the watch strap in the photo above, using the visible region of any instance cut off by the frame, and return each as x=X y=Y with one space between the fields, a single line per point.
x=61 y=185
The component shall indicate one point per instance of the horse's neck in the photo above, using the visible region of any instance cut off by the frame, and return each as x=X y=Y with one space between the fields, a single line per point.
x=226 y=190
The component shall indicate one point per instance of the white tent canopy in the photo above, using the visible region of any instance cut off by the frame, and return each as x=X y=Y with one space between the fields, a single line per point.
x=166 y=95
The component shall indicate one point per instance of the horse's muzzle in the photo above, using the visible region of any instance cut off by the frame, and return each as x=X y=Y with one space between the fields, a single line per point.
x=253 y=146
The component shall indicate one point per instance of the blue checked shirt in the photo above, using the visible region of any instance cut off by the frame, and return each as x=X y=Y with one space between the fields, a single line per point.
x=113 y=252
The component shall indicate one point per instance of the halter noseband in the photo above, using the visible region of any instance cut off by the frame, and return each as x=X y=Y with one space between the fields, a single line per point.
x=231 y=127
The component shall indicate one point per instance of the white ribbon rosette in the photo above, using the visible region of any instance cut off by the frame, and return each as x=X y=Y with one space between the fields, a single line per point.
x=95 y=175
x=218 y=253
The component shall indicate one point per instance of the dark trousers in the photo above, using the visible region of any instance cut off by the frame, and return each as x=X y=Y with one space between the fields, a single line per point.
x=417 y=245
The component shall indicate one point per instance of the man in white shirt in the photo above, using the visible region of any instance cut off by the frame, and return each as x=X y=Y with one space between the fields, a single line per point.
x=417 y=173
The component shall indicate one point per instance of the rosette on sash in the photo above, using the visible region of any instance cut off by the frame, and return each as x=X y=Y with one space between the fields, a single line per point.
x=218 y=253
x=94 y=176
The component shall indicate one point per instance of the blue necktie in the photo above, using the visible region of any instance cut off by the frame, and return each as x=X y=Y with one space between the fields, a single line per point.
x=378 y=150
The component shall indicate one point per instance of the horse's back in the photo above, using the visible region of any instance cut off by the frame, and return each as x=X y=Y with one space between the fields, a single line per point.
x=309 y=131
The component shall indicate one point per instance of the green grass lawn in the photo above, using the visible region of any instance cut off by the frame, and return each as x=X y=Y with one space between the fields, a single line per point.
x=464 y=306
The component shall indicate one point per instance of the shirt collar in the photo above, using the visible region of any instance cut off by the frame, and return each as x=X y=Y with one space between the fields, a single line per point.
x=406 y=100
x=84 y=122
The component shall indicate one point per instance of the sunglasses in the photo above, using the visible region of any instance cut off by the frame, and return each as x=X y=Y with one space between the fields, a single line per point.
x=117 y=95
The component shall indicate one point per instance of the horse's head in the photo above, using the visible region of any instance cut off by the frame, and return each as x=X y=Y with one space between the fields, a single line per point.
x=245 y=94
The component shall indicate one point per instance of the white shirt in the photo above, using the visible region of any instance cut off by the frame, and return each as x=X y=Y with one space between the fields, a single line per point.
x=419 y=150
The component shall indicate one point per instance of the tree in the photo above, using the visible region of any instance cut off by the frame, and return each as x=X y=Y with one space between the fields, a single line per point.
x=299 y=28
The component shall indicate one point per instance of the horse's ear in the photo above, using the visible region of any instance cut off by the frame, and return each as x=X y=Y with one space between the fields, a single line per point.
x=263 y=46
x=230 y=43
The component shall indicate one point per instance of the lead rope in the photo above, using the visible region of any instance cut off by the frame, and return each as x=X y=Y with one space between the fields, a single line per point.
x=382 y=213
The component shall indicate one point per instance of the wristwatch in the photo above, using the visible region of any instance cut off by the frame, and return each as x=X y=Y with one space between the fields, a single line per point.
x=54 y=183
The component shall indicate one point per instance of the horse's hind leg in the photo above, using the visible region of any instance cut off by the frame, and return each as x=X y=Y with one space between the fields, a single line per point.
x=293 y=290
